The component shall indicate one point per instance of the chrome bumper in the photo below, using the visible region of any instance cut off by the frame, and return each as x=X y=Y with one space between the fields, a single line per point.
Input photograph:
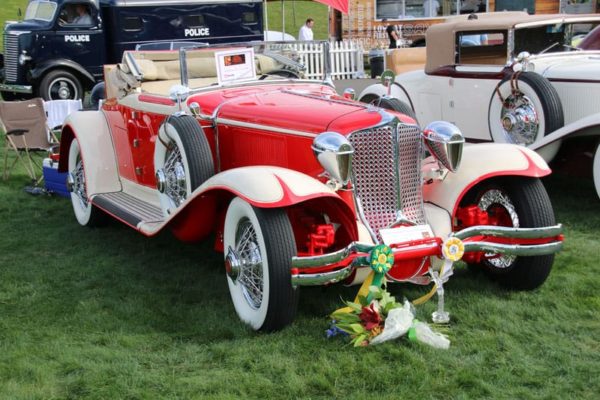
x=4 y=87
x=360 y=251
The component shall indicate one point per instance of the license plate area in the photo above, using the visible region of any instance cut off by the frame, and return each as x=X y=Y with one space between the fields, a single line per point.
x=403 y=234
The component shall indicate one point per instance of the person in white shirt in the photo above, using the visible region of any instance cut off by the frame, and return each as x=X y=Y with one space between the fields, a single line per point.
x=430 y=8
x=306 y=32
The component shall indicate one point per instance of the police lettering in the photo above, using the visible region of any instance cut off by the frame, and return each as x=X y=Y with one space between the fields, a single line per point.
x=197 y=32
x=77 y=38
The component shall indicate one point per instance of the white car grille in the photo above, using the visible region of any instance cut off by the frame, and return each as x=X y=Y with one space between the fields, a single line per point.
x=11 y=53
x=386 y=172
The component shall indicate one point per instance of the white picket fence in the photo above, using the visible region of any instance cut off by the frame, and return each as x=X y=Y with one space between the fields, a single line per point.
x=345 y=58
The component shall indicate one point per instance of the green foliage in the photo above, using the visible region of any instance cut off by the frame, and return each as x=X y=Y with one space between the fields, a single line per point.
x=296 y=13
x=109 y=314
x=9 y=12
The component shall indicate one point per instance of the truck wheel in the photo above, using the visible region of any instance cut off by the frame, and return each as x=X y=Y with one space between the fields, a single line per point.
x=523 y=110
x=516 y=202
x=59 y=84
x=390 y=103
x=596 y=169
x=259 y=246
x=182 y=160
x=86 y=213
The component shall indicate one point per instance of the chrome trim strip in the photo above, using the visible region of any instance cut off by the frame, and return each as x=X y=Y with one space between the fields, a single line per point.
x=322 y=278
x=508 y=232
x=515 y=249
x=133 y=66
x=15 y=88
x=251 y=125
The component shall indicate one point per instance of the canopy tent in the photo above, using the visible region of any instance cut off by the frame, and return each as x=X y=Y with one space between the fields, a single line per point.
x=340 y=5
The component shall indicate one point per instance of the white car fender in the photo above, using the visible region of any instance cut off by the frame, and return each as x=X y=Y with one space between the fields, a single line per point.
x=379 y=90
x=266 y=186
x=91 y=130
x=587 y=126
x=479 y=163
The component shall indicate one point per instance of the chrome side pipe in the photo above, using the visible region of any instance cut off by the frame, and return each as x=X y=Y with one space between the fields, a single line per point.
x=507 y=232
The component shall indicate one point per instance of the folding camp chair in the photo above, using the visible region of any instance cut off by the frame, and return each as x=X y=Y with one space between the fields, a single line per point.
x=27 y=132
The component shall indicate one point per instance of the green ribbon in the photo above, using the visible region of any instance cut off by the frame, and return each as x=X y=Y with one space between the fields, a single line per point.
x=381 y=260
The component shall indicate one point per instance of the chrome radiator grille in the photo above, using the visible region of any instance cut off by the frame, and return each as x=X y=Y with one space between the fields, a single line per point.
x=11 y=54
x=386 y=172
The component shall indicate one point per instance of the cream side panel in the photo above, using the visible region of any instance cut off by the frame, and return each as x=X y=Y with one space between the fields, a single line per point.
x=438 y=219
x=97 y=151
x=479 y=161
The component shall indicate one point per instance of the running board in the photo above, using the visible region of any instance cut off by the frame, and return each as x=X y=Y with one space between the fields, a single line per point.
x=129 y=209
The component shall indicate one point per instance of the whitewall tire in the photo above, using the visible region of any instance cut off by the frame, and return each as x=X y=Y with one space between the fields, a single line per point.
x=523 y=110
x=596 y=169
x=85 y=212
x=259 y=245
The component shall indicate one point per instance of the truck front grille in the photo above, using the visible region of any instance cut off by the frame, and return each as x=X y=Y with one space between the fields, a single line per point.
x=386 y=172
x=11 y=55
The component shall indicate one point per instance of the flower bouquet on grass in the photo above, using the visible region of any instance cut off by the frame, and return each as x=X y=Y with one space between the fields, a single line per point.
x=374 y=321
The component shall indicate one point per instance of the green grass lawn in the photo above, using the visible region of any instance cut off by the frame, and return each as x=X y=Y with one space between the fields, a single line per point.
x=107 y=313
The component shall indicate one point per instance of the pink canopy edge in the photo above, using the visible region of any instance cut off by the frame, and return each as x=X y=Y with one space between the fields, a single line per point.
x=341 y=5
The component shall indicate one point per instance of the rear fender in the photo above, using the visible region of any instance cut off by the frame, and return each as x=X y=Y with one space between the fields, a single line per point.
x=93 y=134
x=263 y=187
x=481 y=162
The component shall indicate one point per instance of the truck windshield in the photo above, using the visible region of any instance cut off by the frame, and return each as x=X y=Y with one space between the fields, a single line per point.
x=40 y=10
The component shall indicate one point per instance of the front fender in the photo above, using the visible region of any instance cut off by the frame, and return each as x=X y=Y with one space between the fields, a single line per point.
x=41 y=69
x=97 y=151
x=263 y=187
x=397 y=91
x=481 y=162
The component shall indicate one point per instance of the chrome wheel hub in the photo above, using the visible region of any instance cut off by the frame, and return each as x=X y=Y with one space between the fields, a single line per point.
x=519 y=119
x=246 y=264
x=496 y=197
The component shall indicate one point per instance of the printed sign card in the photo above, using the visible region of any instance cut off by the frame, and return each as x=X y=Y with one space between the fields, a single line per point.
x=233 y=65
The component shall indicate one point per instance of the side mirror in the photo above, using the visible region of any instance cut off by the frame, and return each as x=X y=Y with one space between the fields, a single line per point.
x=445 y=142
x=334 y=153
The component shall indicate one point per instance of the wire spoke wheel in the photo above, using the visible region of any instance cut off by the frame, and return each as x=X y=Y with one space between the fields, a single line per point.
x=175 y=176
x=251 y=272
x=501 y=209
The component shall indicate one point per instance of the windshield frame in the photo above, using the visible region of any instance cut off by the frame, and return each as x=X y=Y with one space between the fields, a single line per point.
x=33 y=8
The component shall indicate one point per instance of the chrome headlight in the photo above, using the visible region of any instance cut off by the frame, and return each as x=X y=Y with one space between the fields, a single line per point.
x=334 y=152
x=445 y=142
x=24 y=58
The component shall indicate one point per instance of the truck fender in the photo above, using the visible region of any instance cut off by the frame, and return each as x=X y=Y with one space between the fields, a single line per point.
x=97 y=152
x=263 y=187
x=60 y=63
x=481 y=162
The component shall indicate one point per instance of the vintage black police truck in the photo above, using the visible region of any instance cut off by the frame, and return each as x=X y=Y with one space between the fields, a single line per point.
x=58 y=50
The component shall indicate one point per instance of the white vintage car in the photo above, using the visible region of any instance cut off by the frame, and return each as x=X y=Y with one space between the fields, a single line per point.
x=507 y=77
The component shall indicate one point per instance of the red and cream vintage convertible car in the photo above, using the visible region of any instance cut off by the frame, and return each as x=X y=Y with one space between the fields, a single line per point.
x=298 y=183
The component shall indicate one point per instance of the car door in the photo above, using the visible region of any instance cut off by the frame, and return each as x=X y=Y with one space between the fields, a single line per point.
x=481 y=64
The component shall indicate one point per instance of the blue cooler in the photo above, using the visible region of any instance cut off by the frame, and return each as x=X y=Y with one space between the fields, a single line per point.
x=55 y=182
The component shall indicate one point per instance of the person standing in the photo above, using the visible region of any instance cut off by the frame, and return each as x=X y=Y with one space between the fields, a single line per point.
x=392 y=35
x=306 y=32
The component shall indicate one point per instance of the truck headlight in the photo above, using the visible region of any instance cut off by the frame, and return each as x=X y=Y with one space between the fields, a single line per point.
x=445 y=142
x=334 y=153
x=24 y=58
